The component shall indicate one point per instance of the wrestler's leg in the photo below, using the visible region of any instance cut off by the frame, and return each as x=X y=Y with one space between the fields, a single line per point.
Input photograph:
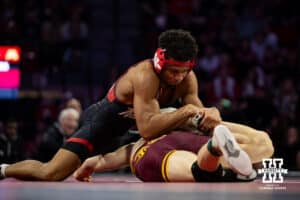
x=256 y=143
x=202 y=167
x=178 y=166
x=207 y=161
x=222 y=143
x=60 y=167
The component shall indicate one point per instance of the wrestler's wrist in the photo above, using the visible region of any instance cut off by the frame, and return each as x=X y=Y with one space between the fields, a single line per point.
x=196 y=120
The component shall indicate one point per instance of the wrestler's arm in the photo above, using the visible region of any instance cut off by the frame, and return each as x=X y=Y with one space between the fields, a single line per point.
x=190 y=96
x=109 y=162
x=150 y=121
x=211 y=115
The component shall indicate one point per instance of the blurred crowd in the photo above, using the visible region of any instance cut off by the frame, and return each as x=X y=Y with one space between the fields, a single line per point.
x=248 y=64
x=52 y=35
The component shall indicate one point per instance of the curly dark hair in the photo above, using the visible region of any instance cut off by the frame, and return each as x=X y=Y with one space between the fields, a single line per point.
x=179 y=44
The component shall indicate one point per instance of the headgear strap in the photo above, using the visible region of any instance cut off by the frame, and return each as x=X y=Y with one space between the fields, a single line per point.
x=160 y=60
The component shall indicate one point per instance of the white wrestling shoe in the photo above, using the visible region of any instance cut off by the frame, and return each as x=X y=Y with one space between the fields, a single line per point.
x=237 y=158
x=230 y=176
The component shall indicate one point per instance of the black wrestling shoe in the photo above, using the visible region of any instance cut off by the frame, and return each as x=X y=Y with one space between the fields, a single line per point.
x=231 y=176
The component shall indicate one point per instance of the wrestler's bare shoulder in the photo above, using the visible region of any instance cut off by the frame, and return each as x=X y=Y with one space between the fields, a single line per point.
x=136 y=71
x=142 y=71
x=141 y=74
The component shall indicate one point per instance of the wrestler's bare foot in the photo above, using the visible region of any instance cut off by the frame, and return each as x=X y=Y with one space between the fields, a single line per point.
x=237 y=158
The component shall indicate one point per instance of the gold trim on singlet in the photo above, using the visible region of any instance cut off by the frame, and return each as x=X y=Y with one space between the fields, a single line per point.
x=137 y=157
x=154 y=140
x=164 y=166
x=140 y=152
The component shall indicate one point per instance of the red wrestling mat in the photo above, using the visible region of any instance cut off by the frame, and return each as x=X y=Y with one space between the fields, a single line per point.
x=127 y=187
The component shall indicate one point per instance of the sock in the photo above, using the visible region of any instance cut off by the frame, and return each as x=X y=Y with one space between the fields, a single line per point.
x=3 y=167
x=201 y=175
x=212 y=149
x=214 y=143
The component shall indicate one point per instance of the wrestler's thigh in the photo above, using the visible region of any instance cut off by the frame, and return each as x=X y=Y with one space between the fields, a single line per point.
x=241 y=139
x=178 y=166
x=235 y=127
x=255 y=150
x=248 y=134
x=255 y=138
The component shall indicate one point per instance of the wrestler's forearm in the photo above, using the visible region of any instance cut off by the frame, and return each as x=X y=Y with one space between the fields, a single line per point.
x=195 y=123
x=162 y=123
x=114 y=160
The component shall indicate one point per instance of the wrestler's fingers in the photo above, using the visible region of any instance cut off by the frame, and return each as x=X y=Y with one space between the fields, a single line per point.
x=205 y=123
x=82 y=177
x=87 y=179
x=76 y=175
x=205 y=119
x=82 y=172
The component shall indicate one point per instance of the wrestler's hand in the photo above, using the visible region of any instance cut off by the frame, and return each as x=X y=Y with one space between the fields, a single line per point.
x=211 y=117
x=194 y=114
x=192 y=110
x=84 y=172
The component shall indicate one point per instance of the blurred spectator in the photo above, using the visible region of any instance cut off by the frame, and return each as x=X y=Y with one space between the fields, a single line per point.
x=56 y=134
x=73 y=67
x=209 y=63
x=10 y=30
x=250 y=21
x=290 y=149
x=11 y=147
x=31 y=20
x=2 y=148
x=245 y=58
x=257 y=111
x=254 y=80
x=258 y=46
x=287 y=98
x=75 y=104
x=51 y=44
x=223 y=84
x=47 y=111
x=74 y=31
x=271 y=38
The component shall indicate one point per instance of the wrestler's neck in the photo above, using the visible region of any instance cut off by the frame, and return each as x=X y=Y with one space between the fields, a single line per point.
x=163 y=84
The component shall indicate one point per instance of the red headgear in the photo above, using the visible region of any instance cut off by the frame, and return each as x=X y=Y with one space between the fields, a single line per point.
x=159 y=61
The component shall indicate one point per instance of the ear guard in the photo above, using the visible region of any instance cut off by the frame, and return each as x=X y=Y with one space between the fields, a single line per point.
x=159 y=61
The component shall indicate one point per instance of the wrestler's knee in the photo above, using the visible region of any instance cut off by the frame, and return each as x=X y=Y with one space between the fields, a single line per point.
x=265 y=142
x=63 y=164
x=50 y=173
